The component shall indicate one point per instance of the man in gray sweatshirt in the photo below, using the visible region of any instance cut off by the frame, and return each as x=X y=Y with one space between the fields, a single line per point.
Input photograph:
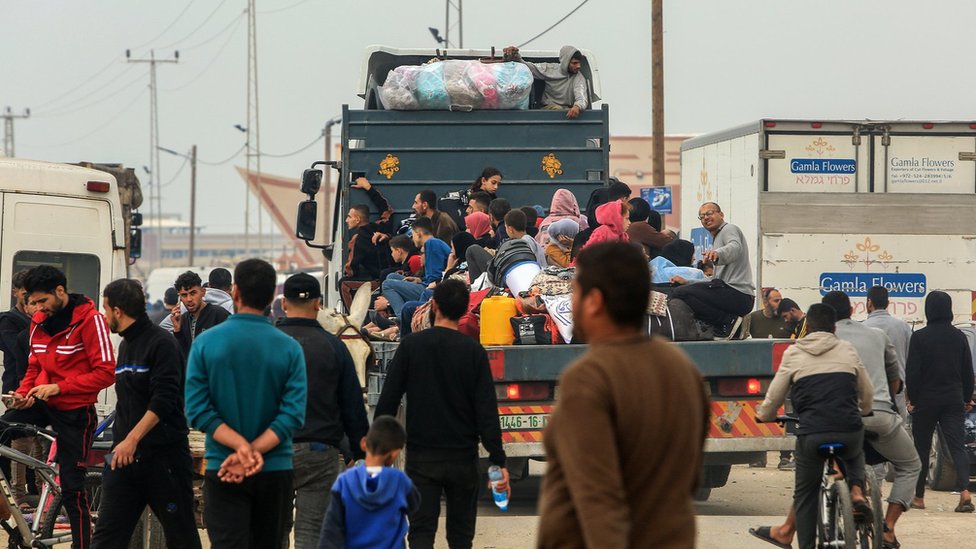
x=566 y=87
x=731 y=292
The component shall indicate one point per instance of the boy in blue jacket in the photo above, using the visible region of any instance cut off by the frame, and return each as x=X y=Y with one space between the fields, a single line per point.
x=370 y=503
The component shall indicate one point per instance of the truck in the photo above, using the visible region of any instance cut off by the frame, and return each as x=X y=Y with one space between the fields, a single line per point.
x=846 y=205
x=538 y=151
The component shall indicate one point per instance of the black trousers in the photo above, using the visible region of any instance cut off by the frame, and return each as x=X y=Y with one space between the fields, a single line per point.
x=254 y=514
x=163 y=481
x=458 y=482
x=809 y=470
x=714 y=302
x=950 y=417
x=75 y=429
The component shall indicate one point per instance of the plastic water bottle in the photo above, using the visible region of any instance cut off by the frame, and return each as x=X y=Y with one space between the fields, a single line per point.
x=501 y=498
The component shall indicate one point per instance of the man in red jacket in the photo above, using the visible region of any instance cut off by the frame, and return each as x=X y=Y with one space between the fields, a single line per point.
x=71 y=360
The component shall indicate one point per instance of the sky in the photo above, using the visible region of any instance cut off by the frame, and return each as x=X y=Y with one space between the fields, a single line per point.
x=726 y=63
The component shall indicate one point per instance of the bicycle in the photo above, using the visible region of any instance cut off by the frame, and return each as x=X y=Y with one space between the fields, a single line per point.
x=47 y=525
x=836 y=527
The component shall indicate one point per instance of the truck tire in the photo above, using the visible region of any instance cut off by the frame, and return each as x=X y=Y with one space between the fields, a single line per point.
x=716 y=476
x=942 y=472
x=702 y=493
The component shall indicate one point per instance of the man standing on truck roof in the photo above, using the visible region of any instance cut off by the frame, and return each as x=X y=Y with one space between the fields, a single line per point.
x=199 y=315
x=447 y=381
x=892 y=441
x=150 y=463
x=246 y=389
x=731 y=293
x=334 y=408
x=71 y=359
x=566 y=87
x=897 y=330
x=647 y=417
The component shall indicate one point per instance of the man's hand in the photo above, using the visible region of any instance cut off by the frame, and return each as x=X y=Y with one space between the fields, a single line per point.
x=413 y=279
x=250 y=459
x=678 y=280
x=124 y=454
x=174 y=316
x=380 y=237
x=362 y=183
x=231 y=470
x=510 y=51
x=44 y=392
x=710 y=255
x=566 y=240
x=969 y=406
x=503 y=485
x=20 y=403
x=574 y=112
x=909 y=406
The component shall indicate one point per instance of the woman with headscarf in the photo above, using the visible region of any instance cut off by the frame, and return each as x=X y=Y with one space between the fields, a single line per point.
x=459 y=247
x=479 y=225
x=561 y=235
x=564 y=206
x=939 y=382
x=614 y=220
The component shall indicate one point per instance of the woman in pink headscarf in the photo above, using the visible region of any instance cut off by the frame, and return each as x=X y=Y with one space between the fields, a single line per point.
x=564 y=206
x=478 y=225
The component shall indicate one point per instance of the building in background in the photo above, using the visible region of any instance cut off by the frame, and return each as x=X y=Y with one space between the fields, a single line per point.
x=632 y=161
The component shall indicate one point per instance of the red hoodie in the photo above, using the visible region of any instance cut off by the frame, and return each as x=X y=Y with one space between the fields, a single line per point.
x=79 y=359
x=612 y=228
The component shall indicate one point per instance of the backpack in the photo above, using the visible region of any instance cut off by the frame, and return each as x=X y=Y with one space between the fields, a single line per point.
x=509 y=254
x=535 y=330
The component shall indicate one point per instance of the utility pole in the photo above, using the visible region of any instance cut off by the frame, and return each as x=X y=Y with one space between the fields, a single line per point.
x=448 y=6
x=253 y=125
x=657 y=88
x=154 y=191
x=8 y=130
x=193 y=201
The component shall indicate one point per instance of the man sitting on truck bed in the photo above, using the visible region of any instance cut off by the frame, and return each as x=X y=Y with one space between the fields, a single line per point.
x=566 y=87
x=729 y=295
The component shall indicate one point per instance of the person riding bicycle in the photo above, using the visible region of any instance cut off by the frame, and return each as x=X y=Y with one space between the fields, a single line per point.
x=830 y=390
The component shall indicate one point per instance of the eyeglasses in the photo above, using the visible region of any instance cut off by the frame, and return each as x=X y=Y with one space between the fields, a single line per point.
x=708 y=213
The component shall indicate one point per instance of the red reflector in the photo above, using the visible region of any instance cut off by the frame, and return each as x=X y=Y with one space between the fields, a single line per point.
x=816 y=124
x=98 y=186
x=928 y=125
x=753 y=387
x=512 y=392
x=778 y=350
x=496 y=362
x=972 y=126
x=770 y=124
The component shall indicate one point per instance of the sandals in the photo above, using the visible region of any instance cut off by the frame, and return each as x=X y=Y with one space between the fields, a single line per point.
x=764 y=533
x=893 y=544
x=965 y=507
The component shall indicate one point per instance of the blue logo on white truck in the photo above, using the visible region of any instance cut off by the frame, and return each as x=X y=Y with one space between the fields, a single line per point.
x=823 y=165
x=857 y=284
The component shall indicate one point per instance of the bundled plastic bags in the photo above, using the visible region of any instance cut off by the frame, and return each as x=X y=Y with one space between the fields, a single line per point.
x=439 y=85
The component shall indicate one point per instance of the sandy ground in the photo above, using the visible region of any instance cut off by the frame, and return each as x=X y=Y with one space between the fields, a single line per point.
x=753 y=497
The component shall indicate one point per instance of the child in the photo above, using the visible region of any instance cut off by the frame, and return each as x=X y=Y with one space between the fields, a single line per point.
x=406 y=258
x=370 y=503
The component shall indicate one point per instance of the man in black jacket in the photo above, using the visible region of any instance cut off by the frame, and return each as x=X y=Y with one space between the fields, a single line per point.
x=12 y=323
x=200 y=315
x=334 y=408
x=150 y=462
x=448 y=384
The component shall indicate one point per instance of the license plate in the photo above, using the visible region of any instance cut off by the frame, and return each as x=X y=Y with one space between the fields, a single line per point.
x=523 y=421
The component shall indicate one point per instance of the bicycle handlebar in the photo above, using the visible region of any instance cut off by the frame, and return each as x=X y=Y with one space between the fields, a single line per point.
x=28 y=428
x=780 y=419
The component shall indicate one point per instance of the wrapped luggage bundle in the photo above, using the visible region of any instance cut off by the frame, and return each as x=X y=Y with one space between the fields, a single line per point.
x=471 y=83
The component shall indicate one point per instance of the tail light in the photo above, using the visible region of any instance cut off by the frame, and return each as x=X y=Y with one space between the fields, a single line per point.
x=741 y=387
x=523 y=391
x=98 y=186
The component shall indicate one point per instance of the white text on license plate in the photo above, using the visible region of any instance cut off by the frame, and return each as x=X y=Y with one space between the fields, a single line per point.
x=523 y=421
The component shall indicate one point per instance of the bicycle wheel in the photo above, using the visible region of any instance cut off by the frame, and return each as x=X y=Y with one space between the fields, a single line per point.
x=870 y=535
x=54 y=521
x=841 y=531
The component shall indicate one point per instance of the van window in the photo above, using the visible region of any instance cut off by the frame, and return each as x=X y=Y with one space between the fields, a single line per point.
x=82 y=270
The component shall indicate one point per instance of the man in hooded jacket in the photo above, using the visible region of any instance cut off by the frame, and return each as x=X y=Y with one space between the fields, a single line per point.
x=566 y=87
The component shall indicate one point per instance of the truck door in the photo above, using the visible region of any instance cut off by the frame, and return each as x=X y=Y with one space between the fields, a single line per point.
x=72 y=234
x=909 y=162
x=818 y=160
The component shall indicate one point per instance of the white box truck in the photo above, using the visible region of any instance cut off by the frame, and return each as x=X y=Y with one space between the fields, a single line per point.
x=844 y=205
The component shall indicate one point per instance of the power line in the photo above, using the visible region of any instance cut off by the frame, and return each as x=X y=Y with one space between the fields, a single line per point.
x=76 y=108
x=200 y=26
x=293 y=153
x=216 y=36
x=104 y=125
x=178 y=171
x=286 y=8
x=168 y=27
x=226 y=160
x=210 y=64
x=554 y=25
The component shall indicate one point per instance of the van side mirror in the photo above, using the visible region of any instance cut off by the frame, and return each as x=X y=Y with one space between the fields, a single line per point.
x=136 y=219
x=135 y=243
x=311 y=182
x=308 y=211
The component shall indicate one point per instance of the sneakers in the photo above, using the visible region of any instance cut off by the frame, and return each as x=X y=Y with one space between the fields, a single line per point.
x=786 y=464
x=728 y=329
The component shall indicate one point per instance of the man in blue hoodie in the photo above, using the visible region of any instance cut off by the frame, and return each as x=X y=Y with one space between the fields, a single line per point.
x=246 y=389
x=398 y=289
